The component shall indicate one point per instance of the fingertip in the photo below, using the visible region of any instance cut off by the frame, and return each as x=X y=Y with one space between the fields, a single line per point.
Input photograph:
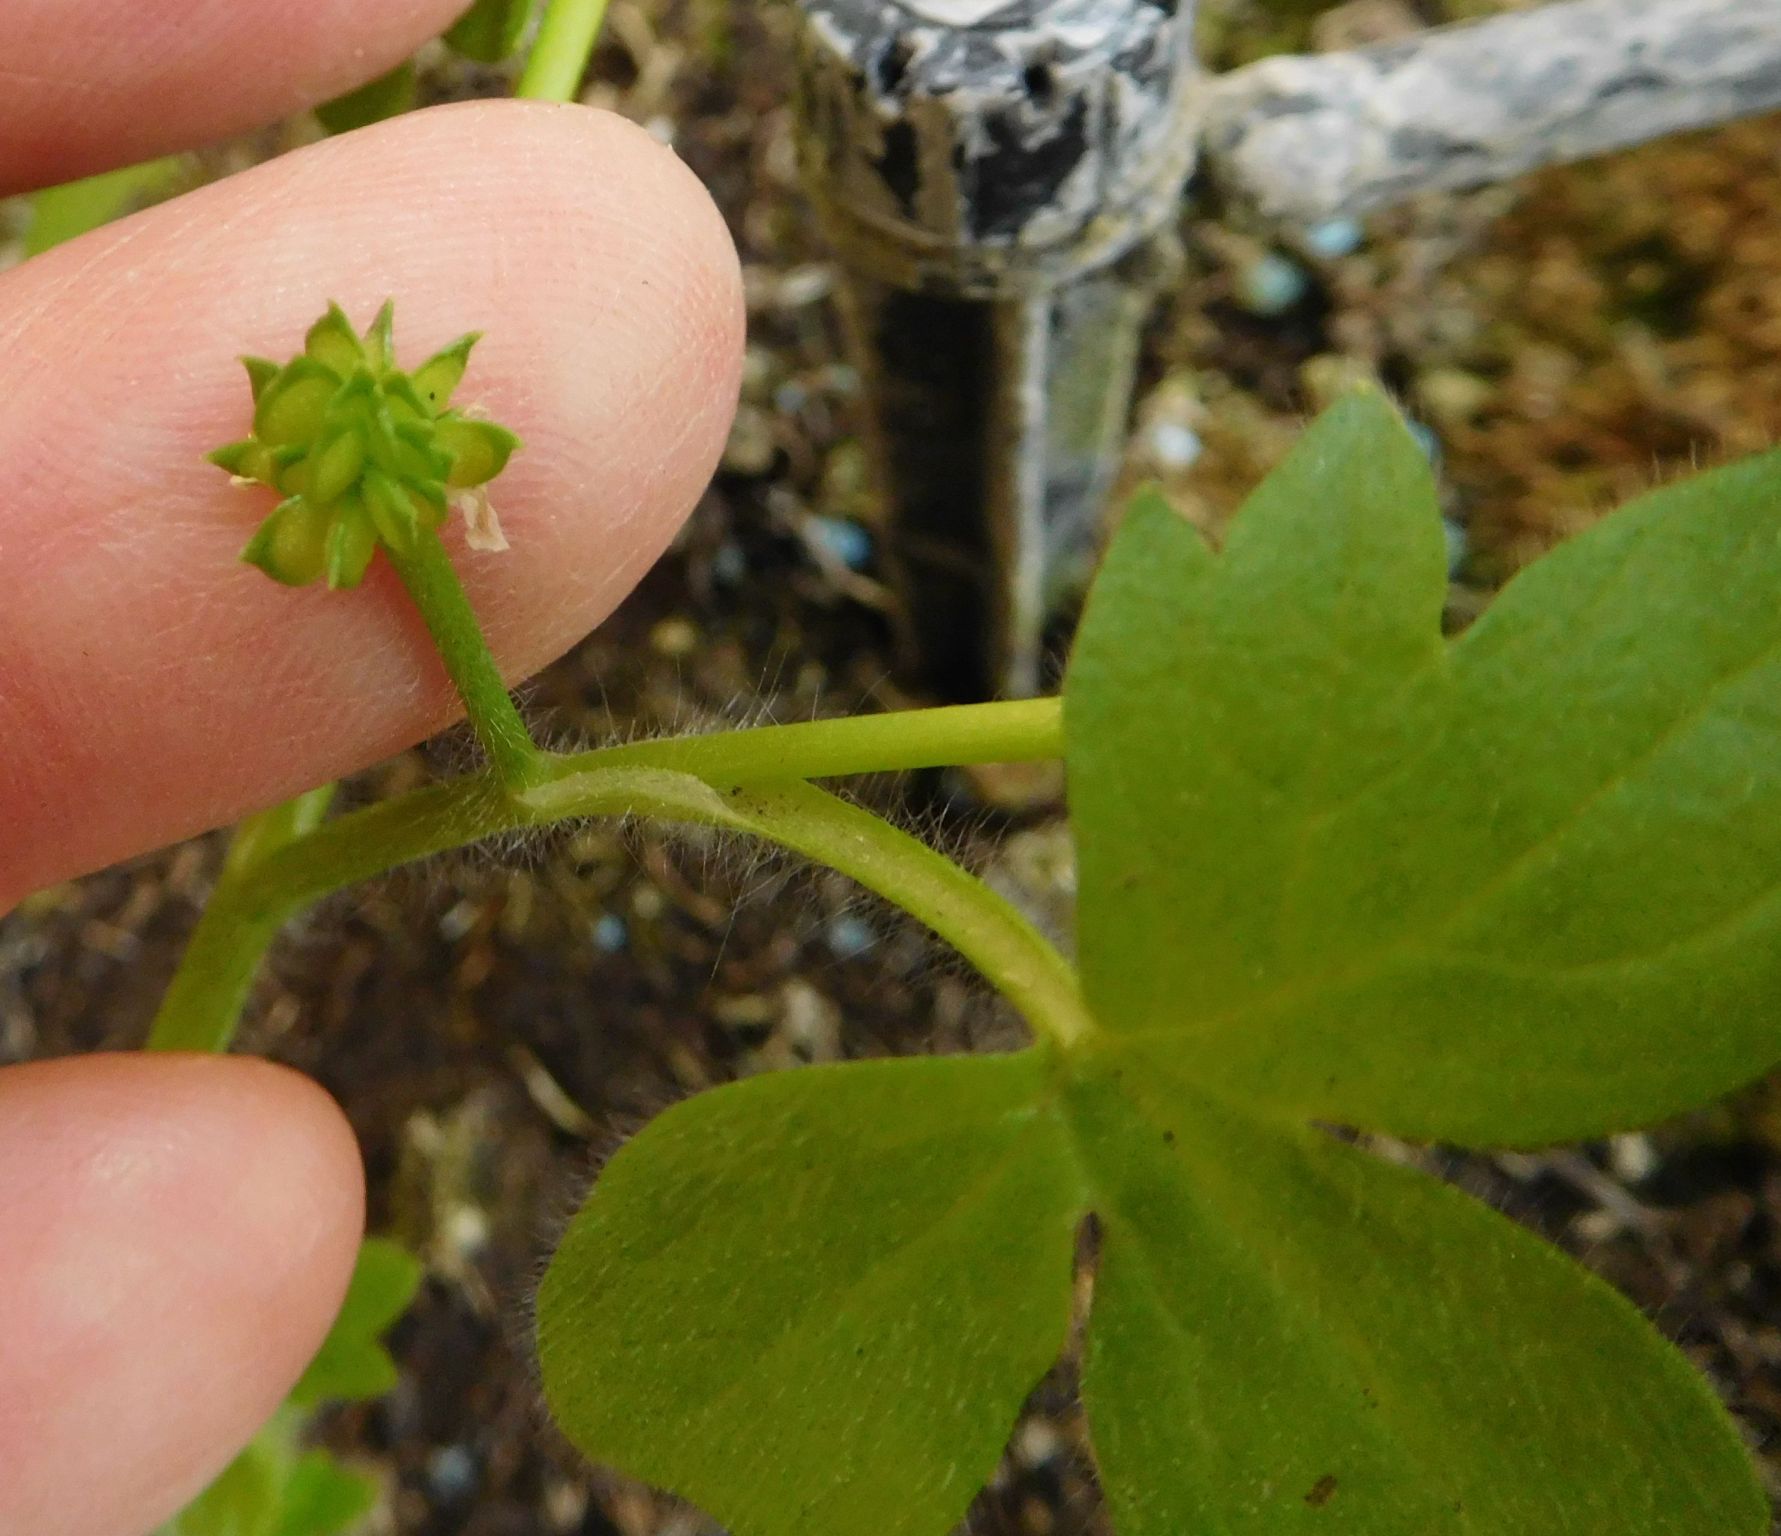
x=96 y=83
x=151 y=685
x=179 y=1232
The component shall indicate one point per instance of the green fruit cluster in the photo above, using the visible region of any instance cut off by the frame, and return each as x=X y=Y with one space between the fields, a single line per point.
x=362 y=452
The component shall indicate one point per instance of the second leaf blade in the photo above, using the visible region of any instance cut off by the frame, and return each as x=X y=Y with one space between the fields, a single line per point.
x=815 y=1300
x=1289 y=1335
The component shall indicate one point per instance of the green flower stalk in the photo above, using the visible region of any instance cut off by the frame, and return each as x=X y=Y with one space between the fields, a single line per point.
x=362 y=452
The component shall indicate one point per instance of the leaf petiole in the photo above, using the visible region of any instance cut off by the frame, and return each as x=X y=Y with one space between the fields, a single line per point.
x=979 y=923
x=205 y=999
x=957 y=735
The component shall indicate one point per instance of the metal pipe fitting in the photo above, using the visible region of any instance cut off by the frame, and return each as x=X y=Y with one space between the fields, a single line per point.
x=994 y=175
x=1300 y=139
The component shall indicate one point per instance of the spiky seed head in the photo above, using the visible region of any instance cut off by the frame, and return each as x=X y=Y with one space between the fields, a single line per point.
x=361 y=451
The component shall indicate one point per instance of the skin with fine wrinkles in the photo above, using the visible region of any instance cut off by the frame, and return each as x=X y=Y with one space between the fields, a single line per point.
x=610 y=295
x=89 y=84
x=173 y=1230
x=176 y=1233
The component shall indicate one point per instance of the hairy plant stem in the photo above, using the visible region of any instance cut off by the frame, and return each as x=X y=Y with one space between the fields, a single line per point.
x=245 y=911
x=980 y=924
x=1018 y=731
x=559 y=58
x=746 y=781
x=432 y=582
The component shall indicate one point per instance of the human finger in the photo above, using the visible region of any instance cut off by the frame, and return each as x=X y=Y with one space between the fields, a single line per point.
x=89 y=84
x=176 y=1234
x=150 y=684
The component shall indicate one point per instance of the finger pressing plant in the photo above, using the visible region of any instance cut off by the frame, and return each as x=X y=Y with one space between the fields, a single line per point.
x=278 y=1486
x=1339 y=874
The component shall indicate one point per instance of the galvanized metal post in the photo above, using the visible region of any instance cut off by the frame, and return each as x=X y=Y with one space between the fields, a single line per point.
x=995 y=175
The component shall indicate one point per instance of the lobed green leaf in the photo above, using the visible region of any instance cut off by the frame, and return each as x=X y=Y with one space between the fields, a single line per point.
x=1523 y=888
x=1331 y=866
x=1289 y=1335
x=814 y=1301
x=352 y=1363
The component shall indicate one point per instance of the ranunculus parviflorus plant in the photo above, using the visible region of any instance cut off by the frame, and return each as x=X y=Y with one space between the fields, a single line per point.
x=1337 y=872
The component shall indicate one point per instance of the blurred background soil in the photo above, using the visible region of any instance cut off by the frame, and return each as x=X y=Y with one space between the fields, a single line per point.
x=496 y=1021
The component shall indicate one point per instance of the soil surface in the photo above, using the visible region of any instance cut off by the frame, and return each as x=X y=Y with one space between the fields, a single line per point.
x=496 y=1021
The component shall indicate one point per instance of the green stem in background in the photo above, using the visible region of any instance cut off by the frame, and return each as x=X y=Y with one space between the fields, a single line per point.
x=427 y=572
x=256 y=838
x=211 y=985
x=559 y=58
